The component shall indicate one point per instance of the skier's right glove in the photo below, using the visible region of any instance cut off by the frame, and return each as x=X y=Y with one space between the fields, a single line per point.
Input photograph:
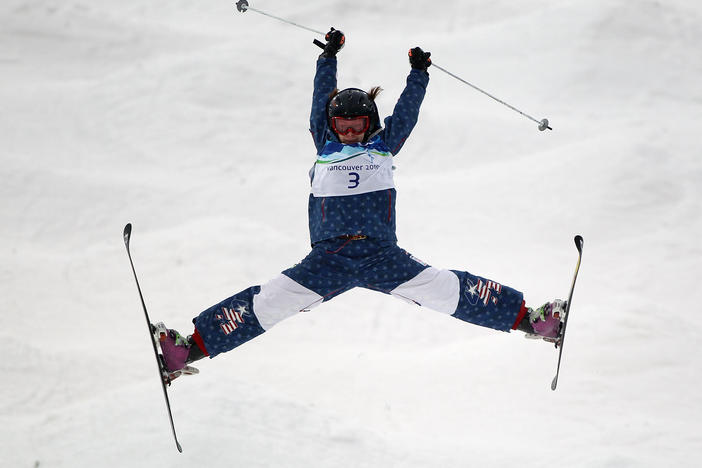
x=419 y=60
x=335 y=42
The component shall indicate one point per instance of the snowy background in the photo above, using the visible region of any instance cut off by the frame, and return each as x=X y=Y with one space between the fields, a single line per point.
x=190 y=120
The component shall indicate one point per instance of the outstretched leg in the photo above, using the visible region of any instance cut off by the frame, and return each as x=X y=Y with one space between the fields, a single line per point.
x=232 y=322
x=468 y=297
x=237 y=319
x=249 y=313
x=460 y=294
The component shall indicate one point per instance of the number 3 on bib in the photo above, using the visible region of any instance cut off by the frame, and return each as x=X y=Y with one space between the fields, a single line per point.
x=354 y=180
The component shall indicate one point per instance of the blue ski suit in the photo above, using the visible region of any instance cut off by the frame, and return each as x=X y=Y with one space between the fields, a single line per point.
x=352 y=231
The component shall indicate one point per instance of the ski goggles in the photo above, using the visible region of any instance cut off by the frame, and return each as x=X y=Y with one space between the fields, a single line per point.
x=356 y=125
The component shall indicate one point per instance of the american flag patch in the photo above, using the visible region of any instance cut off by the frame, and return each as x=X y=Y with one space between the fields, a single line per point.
x=486 y=289
x=232 y=319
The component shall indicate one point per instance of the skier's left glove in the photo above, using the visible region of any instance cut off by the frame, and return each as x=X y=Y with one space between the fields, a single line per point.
x=419 y=59
x=335 y=42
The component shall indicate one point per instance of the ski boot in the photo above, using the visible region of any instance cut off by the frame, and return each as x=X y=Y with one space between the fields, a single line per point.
x=176 y=352
x=545 y=322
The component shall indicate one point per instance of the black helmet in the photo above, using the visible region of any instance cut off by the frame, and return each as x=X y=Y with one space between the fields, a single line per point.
x=354 y=102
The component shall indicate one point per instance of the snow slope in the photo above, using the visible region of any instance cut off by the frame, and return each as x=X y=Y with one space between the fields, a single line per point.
x=190 y=121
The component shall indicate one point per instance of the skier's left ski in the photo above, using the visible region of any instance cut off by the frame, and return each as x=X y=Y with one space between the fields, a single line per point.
x=578 y=245
x=127 y=235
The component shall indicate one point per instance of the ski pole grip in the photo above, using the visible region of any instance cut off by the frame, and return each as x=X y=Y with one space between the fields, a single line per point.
x=319 y=43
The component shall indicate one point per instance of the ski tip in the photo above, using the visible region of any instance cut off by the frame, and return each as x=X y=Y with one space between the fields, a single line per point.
x=579 y=242
x=127 y=233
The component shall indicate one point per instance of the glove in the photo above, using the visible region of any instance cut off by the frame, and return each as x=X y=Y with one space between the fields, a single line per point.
x=419 y=59
x=335 y=42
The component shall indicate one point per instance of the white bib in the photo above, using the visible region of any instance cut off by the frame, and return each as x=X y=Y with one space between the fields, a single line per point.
x=352 y=169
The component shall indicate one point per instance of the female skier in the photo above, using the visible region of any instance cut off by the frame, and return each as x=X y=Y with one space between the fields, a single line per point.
x=352 y=231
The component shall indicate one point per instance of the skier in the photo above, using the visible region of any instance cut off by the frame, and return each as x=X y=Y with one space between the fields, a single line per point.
x=352 y=231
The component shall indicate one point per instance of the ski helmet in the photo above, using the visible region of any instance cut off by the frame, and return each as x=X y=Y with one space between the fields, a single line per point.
x=354 y=102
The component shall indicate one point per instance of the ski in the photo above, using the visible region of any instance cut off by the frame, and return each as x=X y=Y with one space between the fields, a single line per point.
x=162 y=372
x=578 y=245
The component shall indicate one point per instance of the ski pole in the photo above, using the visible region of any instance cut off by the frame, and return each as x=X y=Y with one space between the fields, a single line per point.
x=243 y=6
x=543 y=123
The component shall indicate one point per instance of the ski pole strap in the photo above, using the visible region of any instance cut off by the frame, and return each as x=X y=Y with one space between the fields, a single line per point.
x=543 y=124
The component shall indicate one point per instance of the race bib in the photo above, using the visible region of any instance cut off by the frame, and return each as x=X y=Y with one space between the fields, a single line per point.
x=352 y=169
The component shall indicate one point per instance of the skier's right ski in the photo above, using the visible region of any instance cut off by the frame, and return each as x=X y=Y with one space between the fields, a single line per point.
x=163 y=373
x=579 y=245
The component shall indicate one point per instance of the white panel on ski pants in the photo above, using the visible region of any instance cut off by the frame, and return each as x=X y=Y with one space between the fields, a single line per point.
x=281 y=298
x=433 y=288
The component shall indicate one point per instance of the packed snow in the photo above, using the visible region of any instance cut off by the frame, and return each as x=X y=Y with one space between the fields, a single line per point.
x=190 y=120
